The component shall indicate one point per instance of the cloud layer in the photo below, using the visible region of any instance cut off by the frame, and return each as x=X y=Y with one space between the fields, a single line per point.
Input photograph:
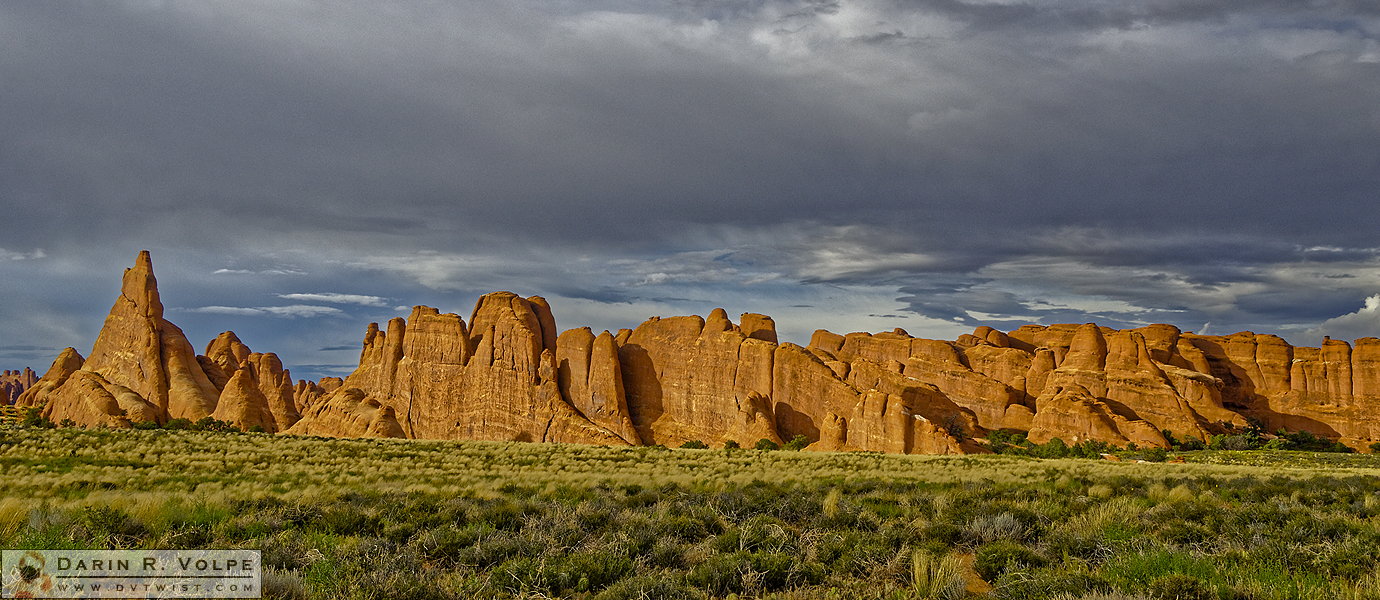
x=938 y=163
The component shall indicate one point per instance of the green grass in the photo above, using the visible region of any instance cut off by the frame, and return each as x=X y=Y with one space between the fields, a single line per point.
x=340 y=518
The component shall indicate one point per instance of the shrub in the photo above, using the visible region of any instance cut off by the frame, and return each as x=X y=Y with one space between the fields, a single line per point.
x=954 y=426
x=1277 y=444
x=1192 y=443
x=1156 y=454
x=649 y=586
x=1231 y=442
x=1375 y=448
x=1005 y=437
x=947 y=534
x=33 y=417
x=1169 y=437
x=1055 y=448
x=695 y=445
x=731 y=444
x=112 y=527
x=144 y=425
x=799 y=442
x=179 y=423
x=766 y=444
x=214 y=425
x=1177 y=586
x=1003 y=526
x=738 y=572
x=1003 y=555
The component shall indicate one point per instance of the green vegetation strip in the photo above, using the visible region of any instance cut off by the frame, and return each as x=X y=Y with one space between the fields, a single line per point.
x=405 y=519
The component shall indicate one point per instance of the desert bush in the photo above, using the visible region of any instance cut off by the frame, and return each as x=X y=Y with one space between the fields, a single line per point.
x=283 y=585
x=33 y=417
x=695 y=445
x=1001 y=556
x=643 y=587
x=799 y=442
x=1001 y=526
x=1055 y=448
x=1177 y=586
x=214 y=425
x=1058 y=583
x=766 y=444
x=112 y=528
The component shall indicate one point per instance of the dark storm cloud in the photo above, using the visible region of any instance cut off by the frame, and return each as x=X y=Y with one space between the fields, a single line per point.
x=949 y=162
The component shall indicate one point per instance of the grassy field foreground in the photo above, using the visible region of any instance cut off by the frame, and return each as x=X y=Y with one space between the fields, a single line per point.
x=407 y=519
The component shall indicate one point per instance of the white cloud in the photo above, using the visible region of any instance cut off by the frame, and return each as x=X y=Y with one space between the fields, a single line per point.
x=264 y=272
x=1362 y=323
x=338 y=298
x=35 y=255
x=296 y=310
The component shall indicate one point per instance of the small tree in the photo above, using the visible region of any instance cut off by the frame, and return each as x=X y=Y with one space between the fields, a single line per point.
x=799 y=442
x=766 y=444
x=1055 y=448
x=695 y=445
x=33 y=417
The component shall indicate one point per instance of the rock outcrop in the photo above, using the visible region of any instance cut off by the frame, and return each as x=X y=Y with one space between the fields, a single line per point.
x=508 y=374
x=142 y=368
x=496 y=379
x=15 y=383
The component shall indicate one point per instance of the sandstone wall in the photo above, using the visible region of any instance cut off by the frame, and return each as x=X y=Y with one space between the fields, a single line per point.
x=508 y=374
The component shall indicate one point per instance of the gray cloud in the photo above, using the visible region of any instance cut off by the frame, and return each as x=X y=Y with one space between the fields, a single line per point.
x=940 y=163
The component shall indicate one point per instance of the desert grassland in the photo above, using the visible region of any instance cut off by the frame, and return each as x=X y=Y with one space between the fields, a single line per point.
x=374 y=518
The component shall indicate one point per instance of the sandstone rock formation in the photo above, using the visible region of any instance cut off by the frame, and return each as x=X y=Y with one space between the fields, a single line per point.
x=433 y=377
x=508 y=374
x=142 y=368
x=1079 y=382
x=15 y=383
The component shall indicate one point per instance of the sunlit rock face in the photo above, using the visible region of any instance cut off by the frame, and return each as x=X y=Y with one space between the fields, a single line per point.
x=508 y=373
x=14 y=383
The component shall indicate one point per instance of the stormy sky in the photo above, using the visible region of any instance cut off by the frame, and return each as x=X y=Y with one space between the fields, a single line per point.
x=299 y=169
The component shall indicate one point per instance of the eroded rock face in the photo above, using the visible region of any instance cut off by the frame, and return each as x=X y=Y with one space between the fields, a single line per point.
x=15 y=383
x=243 y=404
x=66 y=363
x=494 y=380
x=350 y=412
x=591 y=378
x=508 y=374
x=1090 y=382
x=142 y=368
x=138 y=354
